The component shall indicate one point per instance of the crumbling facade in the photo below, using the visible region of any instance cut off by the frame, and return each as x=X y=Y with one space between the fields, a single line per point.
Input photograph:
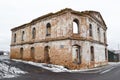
x=76 y=40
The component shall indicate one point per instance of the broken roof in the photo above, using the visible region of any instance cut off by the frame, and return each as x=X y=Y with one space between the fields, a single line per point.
x=88 y=13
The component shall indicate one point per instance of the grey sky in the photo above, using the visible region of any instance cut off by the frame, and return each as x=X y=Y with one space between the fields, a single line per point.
x=17 y=12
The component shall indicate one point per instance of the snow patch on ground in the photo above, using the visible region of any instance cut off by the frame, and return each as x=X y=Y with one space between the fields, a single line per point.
x=53 y=68
x=113 y=63
x=4 y=57
x=7 y=71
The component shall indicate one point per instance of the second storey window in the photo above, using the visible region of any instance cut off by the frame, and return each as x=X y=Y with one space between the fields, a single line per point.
x=90 y=30
x=48 y=29
x=104 y=37
x=15 y=37
x=23 y=35
x=98 y=30
x=33 y=33
x=75 y=26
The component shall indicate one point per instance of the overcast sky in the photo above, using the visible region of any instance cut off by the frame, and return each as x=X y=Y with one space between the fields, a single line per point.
x=17 y=12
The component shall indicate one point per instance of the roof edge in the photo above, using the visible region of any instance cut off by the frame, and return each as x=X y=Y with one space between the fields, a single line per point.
x=58 y=12
x=42 y=17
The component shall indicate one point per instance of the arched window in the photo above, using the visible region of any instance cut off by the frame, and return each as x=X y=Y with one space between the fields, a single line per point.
x=21 y=53
x=75 y=26
x=32 y=52
x=106 y=55
x=23 y=35
x=104 y=37
x=46 y=54
x=76 y=54
x=98 y=31
x=33 y=33
x=90 y=30
x=15 y=37
x=92 y=53
x=48 y=29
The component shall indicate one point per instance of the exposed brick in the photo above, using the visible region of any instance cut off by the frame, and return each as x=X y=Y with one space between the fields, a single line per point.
x=62 y=40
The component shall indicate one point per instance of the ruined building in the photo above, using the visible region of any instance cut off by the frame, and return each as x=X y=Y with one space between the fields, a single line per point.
x=76 y=40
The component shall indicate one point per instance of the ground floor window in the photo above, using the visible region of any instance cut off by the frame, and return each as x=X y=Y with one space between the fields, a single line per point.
x=76 y=54
x=46 y=54
x=32 y=52
x=106 y=55
x=92 y=53
x=21 y=53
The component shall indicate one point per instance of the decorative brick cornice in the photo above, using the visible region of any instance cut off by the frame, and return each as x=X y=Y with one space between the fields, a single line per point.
x=59 y=39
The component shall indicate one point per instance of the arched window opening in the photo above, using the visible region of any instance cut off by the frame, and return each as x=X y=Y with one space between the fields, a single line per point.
x=92 y=53
x=98 y=30
x=21 y=53
x=76 y=54
x=104 y=37
x=46 y=54
x=14 y=37
x=106 y=54
x=90 y=30
x=75 y=26
x=33 y=33
x=48 y=29
x=32 y=52
x=23 y=35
